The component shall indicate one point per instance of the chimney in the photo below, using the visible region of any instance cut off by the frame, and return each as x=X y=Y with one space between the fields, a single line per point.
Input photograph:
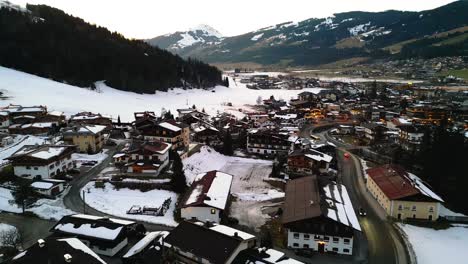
x=236 y=234
x=68 y=258
x=41 y=243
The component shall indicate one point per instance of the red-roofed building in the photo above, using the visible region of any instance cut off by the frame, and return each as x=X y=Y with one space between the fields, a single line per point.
x=208 y=197
x=401 y=194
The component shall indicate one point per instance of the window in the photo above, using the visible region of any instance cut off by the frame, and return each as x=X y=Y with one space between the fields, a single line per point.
x=345 y=250
x=336 y=240
x=36 y=168
x=335 y=249
x=213 y=211
x=413 y=208
x=296 y=235
x=306 y=237
x=295 y=245
x=316 y=237
x=346 y=240
x=325 y=238
x=306 y=245
x=400 y=207
x=431 y=209
x=28 y=167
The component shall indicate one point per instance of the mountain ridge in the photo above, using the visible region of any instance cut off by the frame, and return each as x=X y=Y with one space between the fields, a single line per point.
x=324 y=40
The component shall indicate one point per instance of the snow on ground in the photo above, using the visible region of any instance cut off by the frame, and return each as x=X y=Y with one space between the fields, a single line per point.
x=444 y=211
x=81 y=157
x=248 y=186
x=52 y=209
x=27 y=89
x=116 y=202
x=438 y=246
x=19 y=142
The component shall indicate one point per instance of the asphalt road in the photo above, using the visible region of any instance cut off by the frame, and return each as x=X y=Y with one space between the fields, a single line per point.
x=31 y=228
x=73 y=199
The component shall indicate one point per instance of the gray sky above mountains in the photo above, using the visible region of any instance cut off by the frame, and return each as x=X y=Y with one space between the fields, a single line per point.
x=151 y=18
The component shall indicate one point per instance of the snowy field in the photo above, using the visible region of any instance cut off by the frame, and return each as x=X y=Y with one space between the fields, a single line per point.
x=19 y=142
x=44 y=208
x=252 y=192
x=438 y=246
x=116 y=202
x=27 y=89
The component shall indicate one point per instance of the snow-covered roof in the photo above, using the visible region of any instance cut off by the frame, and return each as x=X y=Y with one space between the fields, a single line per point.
x=211 y=188
x=90 y=231
x=319 y=156
x=419 y=184
x=277 y=257
x=231 y=232
x=42 y=185
x=170 y=126
x=95 y=128
x=114 y=220
x=144 y=242
x=48 y=153
x=77 y=244
x=340 y=207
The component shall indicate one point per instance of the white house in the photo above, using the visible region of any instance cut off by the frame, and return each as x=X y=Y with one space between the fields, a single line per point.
x=50 y=187
x=42 y=162
x=319 y=218
x=208 y=197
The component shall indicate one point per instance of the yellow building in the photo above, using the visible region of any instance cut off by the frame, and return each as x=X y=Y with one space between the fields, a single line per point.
x=87 y=138
x=401 y=194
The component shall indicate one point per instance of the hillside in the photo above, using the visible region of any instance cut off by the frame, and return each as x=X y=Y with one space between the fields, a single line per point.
x=47 y=42
x=342 y=36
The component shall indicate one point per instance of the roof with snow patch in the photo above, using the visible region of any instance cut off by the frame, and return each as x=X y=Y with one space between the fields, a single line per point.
x=210 y=189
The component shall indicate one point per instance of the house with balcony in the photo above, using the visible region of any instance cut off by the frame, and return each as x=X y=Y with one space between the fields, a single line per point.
x=268 y=142
x=144 y=157
x=171 y=132
x=88 y=118
x=43 y=161
x=87 y=138
x=308 y=161
x=410 y=137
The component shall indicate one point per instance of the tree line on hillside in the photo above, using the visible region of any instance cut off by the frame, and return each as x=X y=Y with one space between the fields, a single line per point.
x=49 y=43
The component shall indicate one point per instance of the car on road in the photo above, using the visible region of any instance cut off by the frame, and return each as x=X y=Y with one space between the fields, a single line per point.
x=90 y=163
x=346 y=155
x=362 y=212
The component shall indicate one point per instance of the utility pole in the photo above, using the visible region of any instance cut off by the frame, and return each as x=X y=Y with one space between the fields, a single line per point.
x=84 y=202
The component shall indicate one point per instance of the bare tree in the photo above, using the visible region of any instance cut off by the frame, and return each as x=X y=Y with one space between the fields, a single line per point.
x=11 y=238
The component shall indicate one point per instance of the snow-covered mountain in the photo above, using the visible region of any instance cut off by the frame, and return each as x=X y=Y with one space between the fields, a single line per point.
x=341 y=36
x=201 y=35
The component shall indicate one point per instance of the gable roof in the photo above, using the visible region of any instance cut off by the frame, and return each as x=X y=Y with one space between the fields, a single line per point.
x=211 y=189
x=42 y=152
x=302 y=200
x=53 y=251
x=396 y=183
x=151 y=146
x=203 y=242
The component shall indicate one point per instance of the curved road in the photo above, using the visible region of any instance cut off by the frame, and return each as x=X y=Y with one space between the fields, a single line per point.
x=385 y=244
x=74 y=202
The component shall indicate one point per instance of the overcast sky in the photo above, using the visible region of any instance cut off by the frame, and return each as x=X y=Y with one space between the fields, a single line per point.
x=150 y=18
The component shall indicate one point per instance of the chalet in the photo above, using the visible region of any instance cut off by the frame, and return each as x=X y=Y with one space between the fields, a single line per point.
x=147 y=157
x=42 y=162
x=58 y=250
x=143 y=119
x=208 y=197
x=104 y=236
x=307 y=96
x=319 y=218
x=402 y=194
x=308 y=161
x=199 y=243
x=205 y=133
x=88 y=118
x=374 y=131
x=268 y=142
x=175 y=133
x=16 y=111
x=190 y=116
x=87 y=138
x=411 y=137
x=35 y=128
x=49 y=187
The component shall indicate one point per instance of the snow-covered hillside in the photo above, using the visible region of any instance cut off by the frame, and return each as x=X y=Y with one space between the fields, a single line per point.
x=27 y=89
